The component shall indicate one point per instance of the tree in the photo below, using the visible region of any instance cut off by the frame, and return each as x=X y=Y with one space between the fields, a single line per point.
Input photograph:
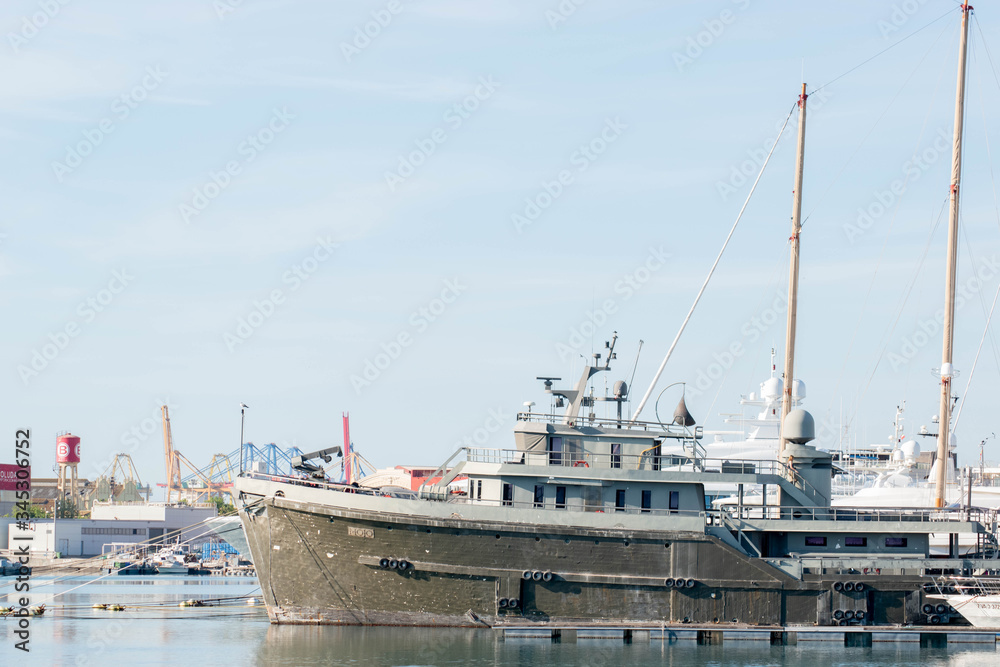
x=34 y=512
x=222 y=507
x=67 y=509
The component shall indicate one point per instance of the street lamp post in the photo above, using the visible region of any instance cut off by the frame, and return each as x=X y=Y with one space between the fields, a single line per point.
x=243 y=411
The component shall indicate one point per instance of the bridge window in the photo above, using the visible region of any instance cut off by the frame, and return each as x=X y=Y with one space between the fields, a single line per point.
x=620 y=500
x=814 y=541
x=675 y=500
x=479 y=489
x=647 y=500
x=655 y=453
x=561 y=497
x=856 y=541
x=508 y=494
x=555 y=450
x=895 y=541
x=616 y=455
x=539 y=495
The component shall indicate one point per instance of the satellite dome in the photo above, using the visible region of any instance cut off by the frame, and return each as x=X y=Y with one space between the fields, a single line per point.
x=799 y=427
x=771 y=389
x=798 y=389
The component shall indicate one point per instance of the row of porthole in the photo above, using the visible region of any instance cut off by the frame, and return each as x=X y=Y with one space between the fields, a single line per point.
x=850 y=614
x=849 y=586
x=679 y=583
x=394 y=564
x=939 y=609
x=536 y=575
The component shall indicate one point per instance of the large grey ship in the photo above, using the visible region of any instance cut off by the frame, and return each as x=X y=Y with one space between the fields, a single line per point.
x=591 y=521
x=585 y=521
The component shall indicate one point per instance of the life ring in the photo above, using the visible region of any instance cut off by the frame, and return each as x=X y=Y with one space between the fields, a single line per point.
x=581 y=464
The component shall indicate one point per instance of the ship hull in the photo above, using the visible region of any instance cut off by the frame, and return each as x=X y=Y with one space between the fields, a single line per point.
x=322 y=562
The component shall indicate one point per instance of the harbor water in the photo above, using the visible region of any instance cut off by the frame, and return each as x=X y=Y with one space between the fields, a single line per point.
x=154 y=630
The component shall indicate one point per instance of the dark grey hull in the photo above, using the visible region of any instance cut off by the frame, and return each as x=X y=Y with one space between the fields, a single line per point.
x=319 y=564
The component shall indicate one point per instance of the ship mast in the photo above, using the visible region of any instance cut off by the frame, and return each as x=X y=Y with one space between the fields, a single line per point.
x=793 y=275
x=947 y=370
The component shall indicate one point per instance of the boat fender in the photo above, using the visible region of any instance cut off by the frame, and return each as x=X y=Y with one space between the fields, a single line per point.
x=843 y=621
x=859 y=586
x=403 y=565
x=526 y=575
x=393 y=563
x=536 y=575
x=839 y=614
x=849 y=614
x=935 y=620
x=678 y=583
x=928 y=588
x=513 y=603
x=848 y=586
x=669 y=583
x=928 y=609
x=503 y=603
x=690 y=583
x=383 y=563
x=860 y=615
x=838 y=586
x=941 y=608
x=546 y=576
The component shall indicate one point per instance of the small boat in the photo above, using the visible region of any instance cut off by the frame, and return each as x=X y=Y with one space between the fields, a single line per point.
x=977 y=599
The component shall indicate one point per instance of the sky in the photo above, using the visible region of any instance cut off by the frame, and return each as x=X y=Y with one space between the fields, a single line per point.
x=410 y=210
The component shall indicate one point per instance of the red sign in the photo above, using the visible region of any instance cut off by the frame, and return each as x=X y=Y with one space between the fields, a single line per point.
x=9 y=477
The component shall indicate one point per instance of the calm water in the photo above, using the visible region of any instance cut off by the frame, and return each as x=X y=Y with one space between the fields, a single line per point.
x=154 y=631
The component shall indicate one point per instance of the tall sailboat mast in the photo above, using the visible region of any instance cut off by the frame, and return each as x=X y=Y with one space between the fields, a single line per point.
x=793 y=275
x=947 y=370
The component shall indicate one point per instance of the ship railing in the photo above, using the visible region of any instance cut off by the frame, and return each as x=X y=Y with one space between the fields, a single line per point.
x=954 y=585
x=983 y=516
x=332 y=486
x=658 y=428
x=664 y=462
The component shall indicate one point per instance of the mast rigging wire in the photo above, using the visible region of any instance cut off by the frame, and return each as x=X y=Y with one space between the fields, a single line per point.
x=711 y=271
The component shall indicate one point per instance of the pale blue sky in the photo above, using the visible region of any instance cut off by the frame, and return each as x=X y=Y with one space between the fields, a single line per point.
x=328 y=123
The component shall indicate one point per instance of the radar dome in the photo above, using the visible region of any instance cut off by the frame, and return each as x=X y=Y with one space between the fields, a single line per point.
x=799 y=427
x=798 y=389
x=910 y=450
x=771 y=389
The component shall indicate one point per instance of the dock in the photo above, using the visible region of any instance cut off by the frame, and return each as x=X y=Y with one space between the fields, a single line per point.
x=711 y=635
